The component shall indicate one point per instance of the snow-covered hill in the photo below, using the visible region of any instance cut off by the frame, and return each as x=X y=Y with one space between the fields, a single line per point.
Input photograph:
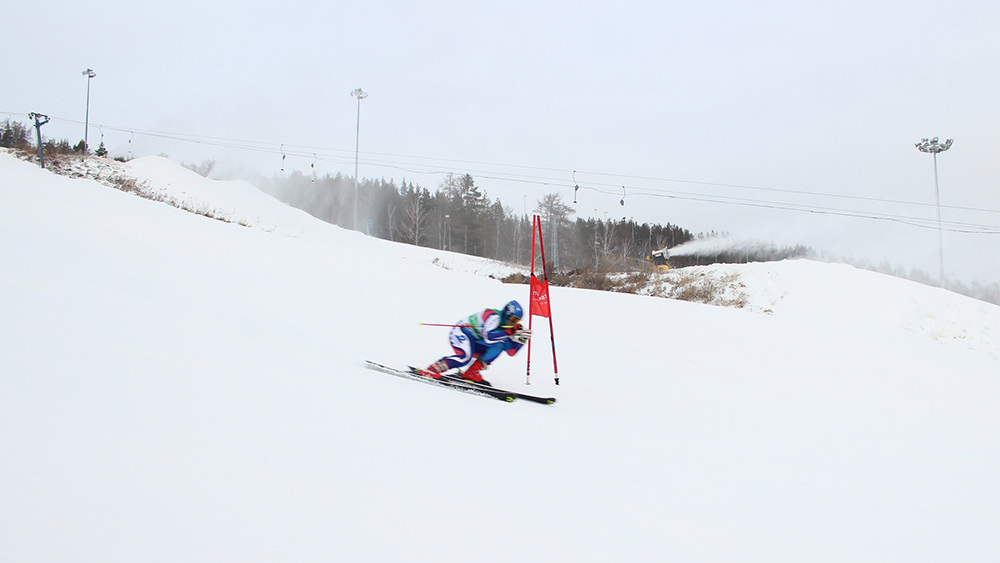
x=176 y=388
x=858 y=299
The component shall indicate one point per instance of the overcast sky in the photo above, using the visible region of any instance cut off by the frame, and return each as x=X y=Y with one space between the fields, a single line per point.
x=716 y=116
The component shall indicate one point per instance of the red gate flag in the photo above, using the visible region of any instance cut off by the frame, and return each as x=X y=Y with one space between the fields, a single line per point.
x=539 y=297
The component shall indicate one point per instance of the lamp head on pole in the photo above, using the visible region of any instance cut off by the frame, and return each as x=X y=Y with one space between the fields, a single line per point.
x=933 y=146
x=359 y=94
x=89 y=73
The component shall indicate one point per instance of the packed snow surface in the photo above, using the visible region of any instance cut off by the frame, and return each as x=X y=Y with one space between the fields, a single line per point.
x=178 y=388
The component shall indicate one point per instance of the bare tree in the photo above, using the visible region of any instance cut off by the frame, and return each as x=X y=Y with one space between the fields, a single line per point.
x=625 y=247
x=604 y=240
x=554 y=213
x=392 y=222
x=415 y=220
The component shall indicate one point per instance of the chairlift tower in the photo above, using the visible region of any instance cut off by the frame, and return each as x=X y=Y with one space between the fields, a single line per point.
x=40 y=119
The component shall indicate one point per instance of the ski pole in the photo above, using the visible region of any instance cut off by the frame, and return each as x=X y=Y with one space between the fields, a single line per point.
x=460 y=325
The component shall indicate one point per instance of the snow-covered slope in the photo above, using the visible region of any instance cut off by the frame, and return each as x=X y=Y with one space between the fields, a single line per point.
x=175 y=388
x=862 y=300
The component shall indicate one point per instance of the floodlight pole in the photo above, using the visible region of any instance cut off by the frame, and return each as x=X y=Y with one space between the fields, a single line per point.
x=934 y=147
x=360 y=95
x=86 y=123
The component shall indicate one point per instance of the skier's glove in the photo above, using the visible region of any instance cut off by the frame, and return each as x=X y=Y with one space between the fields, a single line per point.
x=521 y=335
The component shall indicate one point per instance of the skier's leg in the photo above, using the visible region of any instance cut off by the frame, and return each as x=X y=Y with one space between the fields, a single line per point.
x=461 y=343
x=484 y=357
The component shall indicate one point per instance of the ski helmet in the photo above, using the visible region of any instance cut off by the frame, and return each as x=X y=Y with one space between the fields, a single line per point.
x=512 y=313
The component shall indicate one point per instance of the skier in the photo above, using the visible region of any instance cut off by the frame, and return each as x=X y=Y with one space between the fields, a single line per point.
x=479 y=339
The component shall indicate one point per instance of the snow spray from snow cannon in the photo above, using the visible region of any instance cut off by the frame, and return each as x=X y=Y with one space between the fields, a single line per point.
x=539 y=304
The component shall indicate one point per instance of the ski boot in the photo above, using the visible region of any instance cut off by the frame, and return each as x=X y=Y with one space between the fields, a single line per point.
x=435 y=370
x=472 y=374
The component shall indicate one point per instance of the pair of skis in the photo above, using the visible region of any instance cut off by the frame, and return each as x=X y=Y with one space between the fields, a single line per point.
x=459 y=384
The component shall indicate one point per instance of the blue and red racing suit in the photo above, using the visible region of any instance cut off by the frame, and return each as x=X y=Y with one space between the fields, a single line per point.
x=480 y=336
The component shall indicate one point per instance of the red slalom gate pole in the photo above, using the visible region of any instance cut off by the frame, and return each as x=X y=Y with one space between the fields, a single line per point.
x=539 y=303
x=531 y=297
x=545 y=278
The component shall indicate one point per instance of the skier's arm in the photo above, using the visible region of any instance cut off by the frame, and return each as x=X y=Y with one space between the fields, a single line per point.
x=517 y=336
x=492 y=332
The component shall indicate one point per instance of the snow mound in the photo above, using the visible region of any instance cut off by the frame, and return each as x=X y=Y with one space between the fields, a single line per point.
x=867 y=301
x=237 y=201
